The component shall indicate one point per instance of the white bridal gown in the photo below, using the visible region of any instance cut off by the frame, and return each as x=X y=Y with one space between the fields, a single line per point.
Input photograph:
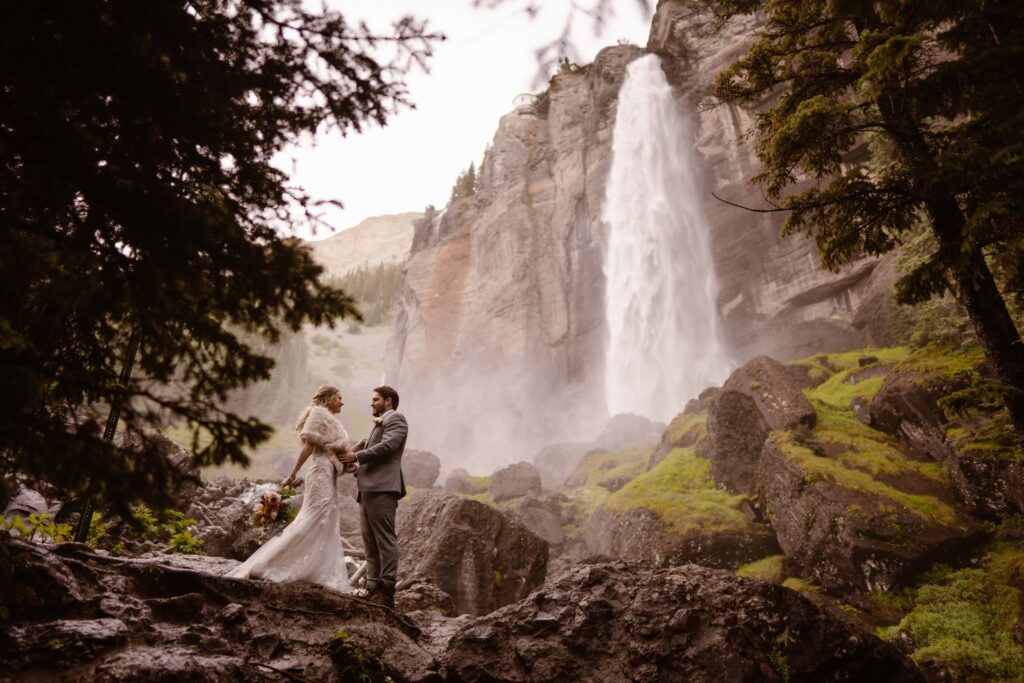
x=309 y=549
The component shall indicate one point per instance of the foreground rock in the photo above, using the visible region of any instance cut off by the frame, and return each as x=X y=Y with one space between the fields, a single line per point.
x=84 y=617
x=474 y=553
x=620 y=622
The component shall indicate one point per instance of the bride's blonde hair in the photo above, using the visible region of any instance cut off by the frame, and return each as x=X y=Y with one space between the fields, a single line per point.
x=320 y=398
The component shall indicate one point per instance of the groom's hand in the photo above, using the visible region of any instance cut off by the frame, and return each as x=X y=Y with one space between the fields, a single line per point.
x=361 y=445
x=347 y=458
x=350 y=467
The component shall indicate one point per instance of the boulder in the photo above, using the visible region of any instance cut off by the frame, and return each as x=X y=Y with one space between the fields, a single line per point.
x=543 y=514
x=476 y=554
x=736 y=435
x=907 y=408
x=461 y=482
x=514 y=481
x=776 y=392
x=852 y=531
x=420 y=468
x=626 y=622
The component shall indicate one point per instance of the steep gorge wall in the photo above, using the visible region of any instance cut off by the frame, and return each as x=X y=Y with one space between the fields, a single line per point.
x=500 y=340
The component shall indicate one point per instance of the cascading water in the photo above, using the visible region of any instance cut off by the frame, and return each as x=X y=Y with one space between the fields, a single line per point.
x=664 y=346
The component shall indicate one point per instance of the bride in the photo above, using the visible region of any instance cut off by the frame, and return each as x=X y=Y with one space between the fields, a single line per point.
x=309 y=549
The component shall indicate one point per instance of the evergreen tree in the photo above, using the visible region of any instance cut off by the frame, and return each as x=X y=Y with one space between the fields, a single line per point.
x=138 y=195
x=935 y=86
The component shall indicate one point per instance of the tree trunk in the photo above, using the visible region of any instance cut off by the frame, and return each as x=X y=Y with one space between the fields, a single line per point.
x=976 y=288
x=977 y=291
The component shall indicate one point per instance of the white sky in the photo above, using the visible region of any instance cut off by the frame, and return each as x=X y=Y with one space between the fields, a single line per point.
x=486 y=61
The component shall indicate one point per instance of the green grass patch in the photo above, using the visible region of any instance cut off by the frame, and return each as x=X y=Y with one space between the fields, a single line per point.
x=767 y=569
x=817 y=468
x=682 y=493
x=963 y=620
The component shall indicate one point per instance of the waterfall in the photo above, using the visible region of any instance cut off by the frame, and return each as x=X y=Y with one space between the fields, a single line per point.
x=664 y=345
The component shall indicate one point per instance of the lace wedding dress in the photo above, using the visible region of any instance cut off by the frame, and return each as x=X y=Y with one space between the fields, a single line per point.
x=309 y=549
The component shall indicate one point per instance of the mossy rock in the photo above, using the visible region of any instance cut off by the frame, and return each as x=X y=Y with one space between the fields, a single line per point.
x=674 y=514
x=858 y=524
x=770 y=569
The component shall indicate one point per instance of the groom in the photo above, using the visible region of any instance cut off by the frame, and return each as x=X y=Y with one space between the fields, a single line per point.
x=380 y=482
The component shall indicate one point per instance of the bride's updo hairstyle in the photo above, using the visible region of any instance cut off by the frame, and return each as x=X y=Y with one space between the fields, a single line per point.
x=320 y=398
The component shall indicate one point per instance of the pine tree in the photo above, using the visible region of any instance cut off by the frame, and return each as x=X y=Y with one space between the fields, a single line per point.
x=938 y=84
x=139 y=195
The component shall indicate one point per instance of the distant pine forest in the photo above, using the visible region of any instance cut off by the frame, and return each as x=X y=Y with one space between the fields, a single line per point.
x=375 y=290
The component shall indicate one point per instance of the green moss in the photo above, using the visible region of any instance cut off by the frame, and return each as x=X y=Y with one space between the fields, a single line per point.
x=839 y=391
x=799 y=585
x=868 y=449
x=598 y=468
x=963 y=620
x=685 y=423
x=682 y=493
x=353 y=662
x=942 y=360
x=767 y=569
x=817 y=468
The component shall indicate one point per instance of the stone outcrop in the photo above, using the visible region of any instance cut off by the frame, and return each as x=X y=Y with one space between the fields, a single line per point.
x=476 y=554
x=514 y=481
x=88 y=617
x=623 y=622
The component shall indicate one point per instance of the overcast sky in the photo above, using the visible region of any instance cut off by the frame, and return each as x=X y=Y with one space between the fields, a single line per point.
x=475 y=74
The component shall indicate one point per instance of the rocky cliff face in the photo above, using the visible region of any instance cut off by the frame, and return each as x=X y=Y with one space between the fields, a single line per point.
x=503 y=303
x=773 y=295
x=504 y=307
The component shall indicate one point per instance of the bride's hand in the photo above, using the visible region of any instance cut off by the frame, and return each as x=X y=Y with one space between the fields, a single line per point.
x=287 y=482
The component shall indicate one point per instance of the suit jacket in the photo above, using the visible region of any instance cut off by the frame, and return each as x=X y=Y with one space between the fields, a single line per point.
x=380 y=462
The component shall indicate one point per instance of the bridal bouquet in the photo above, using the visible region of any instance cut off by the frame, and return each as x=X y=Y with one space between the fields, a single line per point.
x=274 y=509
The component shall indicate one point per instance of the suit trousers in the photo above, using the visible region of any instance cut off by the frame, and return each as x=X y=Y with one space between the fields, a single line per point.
x=377 y=520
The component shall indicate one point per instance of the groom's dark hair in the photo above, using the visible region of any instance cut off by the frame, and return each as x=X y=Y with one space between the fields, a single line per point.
x=387 y=392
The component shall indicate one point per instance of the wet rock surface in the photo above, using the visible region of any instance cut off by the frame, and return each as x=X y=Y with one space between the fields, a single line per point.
x=476 y=554
x=89 y=617
x=618 y=622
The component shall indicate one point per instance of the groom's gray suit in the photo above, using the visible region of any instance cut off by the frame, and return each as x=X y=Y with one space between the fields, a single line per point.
x=381 y=484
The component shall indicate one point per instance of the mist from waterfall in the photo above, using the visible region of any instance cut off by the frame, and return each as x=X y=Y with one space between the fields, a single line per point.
x=664 y=345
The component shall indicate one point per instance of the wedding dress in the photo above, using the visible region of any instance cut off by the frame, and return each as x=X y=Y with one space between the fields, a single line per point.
x=309 y=549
